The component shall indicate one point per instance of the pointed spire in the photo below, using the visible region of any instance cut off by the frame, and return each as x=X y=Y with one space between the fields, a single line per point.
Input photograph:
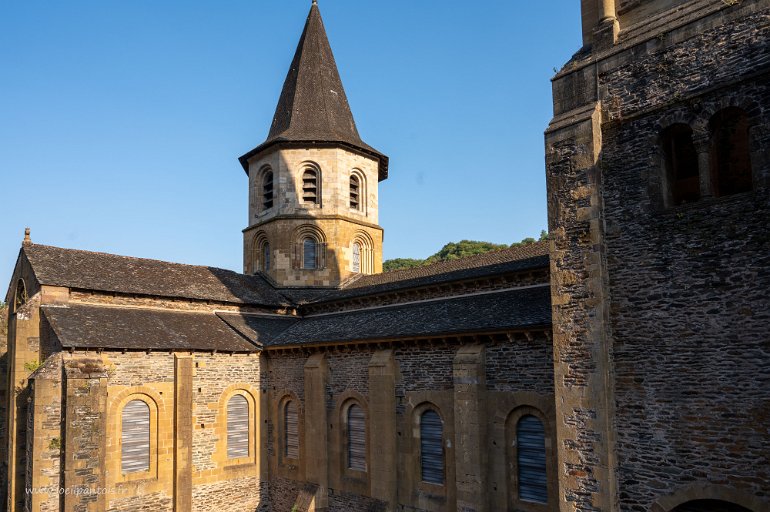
x=313 y=106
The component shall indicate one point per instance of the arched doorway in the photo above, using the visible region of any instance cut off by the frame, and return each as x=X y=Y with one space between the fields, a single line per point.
x=709 y=506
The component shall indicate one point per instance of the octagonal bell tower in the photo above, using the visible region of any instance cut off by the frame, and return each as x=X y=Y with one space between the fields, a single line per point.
x=313 y=182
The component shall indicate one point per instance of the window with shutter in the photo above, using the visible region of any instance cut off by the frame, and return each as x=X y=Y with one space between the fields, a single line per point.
x=291 y=430
x=355 y=192
x=356 y=438
x=135 y=437
x=431 y=448
x=267 y=190
x=237 y=427
x=310 y=186
x=530 y=447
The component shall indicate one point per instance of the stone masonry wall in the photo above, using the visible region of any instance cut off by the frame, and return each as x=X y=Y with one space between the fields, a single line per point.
x=660 y=313
x=689 y=284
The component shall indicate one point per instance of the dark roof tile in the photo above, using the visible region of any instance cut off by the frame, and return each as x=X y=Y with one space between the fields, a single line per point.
x=490 y=312
x=121 y=274
x=85 y=326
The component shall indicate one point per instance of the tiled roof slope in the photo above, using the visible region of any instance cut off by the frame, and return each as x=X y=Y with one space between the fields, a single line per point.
x=514 y=259
x=85 y=326
x=488 y=312
x=313 y=106
x=122 y=274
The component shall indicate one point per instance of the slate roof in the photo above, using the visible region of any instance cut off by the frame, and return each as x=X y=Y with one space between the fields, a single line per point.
x=85 y=326
x=111 y=273
x=313 y=107
x=261 y=329
x=488 y=312
x=514 y=259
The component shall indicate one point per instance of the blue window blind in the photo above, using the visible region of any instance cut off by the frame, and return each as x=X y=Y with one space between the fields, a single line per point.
x=530 y=446
x=356 y=438
x=431 y=448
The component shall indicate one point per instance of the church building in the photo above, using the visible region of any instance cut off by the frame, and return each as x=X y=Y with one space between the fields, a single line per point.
x=623 y=365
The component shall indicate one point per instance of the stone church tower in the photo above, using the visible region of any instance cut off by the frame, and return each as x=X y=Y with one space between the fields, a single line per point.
x=313 y=182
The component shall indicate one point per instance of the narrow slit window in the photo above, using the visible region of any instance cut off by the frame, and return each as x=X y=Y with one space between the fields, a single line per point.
x=309 y=253
x=266 y=256
x=431 y=448
x=681 y=164
x=291 y=430
x=730 y=153
x=237 y=427
x=135 y=437
x=267 y=190
x=310 y=186
x=531 y=460
x=356 y=438
x=356 y=257
x=355 y=192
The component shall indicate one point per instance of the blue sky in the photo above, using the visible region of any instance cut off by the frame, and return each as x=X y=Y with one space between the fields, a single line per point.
x=121 y=121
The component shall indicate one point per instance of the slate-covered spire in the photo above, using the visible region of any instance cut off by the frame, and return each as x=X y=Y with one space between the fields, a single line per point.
x=313 y=107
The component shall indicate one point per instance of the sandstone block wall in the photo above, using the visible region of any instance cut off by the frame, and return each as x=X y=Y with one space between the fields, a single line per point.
x=332 y=216
x=394 y=385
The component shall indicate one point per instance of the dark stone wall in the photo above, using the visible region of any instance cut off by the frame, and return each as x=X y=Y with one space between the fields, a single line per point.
x=690 y=312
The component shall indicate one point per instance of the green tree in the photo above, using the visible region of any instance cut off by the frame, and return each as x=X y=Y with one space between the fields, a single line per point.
x=401 y=263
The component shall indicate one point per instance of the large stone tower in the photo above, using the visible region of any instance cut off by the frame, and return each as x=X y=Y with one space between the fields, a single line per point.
x=313 y=182
x=658 y=168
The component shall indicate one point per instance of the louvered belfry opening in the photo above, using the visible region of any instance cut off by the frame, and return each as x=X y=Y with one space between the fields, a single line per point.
x=310 y=186
x=135 y=437
x=267 y=190
x=237 y=427
x=531 y=459
x=291 y=430
x=431 y=448
x=355 y=192
x=356 y=430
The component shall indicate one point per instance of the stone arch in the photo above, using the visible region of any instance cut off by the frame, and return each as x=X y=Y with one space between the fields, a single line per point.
x=704 y=491
x=265 y=188
x=345 y=401
x=158 y=422
x=284 y=398
x=310 y=189
x=260 y=253
x=511 y=454
x=302 y=250
x=251 y=394
x=360 y=177
x=366 y=252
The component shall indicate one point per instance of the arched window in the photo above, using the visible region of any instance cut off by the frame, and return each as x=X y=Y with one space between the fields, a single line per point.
x=309 y=253
x=20 y=297
x=237 y=427
x=355 y=192
x=730 y=161
x=310 y=188
x=135 y=437
x=290 y=430
x=431 y=447
x=267 y=190
x=681 y=164
x=531 y=459
x=356 y=438
x=356 y=257
x=265 y=256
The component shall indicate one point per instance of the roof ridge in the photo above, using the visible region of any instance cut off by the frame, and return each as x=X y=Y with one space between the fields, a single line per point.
x=136 y=258
x=466 y=258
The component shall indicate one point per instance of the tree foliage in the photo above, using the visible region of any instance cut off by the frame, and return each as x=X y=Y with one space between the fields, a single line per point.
x=455 y=250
